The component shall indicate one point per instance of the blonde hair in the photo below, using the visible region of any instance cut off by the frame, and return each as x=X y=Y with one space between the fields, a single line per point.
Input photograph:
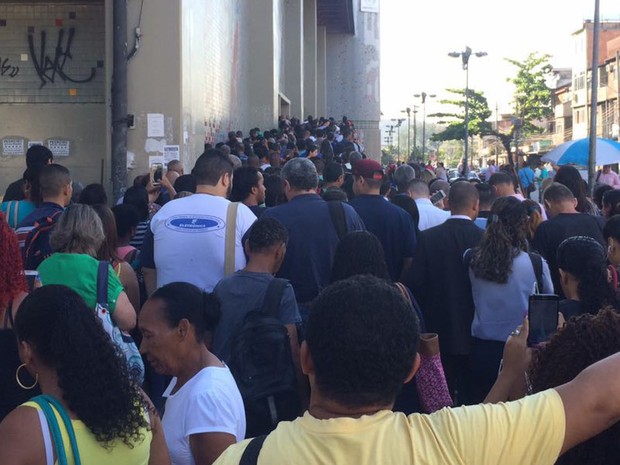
x=78 y=230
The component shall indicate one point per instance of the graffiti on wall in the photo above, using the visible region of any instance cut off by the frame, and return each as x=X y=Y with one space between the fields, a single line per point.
x=51 y=66
x=8 y=70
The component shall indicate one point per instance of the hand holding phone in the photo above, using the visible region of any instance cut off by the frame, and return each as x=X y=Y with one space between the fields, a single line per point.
x=542 y=313
x=157 y=173
x=438 y=196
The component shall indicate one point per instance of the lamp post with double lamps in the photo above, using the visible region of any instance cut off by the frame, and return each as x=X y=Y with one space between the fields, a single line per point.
x=423 y=97
x=465 y=59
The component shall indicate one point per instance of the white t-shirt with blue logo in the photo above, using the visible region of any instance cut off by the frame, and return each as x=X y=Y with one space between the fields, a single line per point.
x=190 y=237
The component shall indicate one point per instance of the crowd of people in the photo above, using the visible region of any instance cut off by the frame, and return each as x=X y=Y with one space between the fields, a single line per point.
x=286 y=290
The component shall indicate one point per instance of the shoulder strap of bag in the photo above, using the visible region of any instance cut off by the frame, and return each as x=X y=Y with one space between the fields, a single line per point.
x=538 y=270
x=403 y=290
x=8 y=316
x=336 y=212
x=252 y=451
x=102 y=282
x=231 y=236
x=598 y=175
x=46 y=403
x=15 y=203
x=467 y=257
x=273 y=297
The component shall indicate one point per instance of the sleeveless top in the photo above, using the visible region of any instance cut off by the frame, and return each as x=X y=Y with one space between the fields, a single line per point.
x=91 y=451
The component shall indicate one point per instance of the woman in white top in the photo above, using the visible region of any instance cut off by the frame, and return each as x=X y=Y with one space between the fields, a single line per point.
x=204 y=411
x=502 y=275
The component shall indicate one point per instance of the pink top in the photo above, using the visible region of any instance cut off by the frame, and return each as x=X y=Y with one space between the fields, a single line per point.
x=124 y=250
x=611 y=179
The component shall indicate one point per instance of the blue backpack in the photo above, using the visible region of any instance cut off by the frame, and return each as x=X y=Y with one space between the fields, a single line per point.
x=37 y=244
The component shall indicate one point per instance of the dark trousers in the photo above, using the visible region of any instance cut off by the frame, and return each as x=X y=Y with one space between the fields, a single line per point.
x=456 y=370
x=483 y=367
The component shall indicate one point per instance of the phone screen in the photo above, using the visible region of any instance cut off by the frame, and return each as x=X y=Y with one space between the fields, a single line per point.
x=157 y=170
x=543 y=318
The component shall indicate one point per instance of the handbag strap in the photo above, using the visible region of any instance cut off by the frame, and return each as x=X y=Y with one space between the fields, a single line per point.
x=102 y=283
x=230 y=240
x=48 y=404
x=403 y=290
x=8 y=316
x=252 y=451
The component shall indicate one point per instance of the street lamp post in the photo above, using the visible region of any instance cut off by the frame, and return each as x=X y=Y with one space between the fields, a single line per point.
x=423 y=97
x=415 y=129
x=408 y=111
x=399 y=122
x=465 y=58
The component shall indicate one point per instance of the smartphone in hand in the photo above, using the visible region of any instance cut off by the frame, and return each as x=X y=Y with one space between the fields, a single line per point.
x=543 y=310
x=157 y=173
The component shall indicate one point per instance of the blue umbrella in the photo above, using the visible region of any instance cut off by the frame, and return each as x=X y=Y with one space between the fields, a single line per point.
x=576 y=152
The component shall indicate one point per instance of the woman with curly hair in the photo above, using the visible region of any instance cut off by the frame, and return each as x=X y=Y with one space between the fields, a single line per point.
x=582 y=262
x=570 y=177
x=63 y=345
x=503 y=275
x=582 y=342
x=13 y=289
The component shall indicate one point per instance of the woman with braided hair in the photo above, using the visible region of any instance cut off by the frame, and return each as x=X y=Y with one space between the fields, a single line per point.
x=582 y=262
x=582 y=341
x=503 y=275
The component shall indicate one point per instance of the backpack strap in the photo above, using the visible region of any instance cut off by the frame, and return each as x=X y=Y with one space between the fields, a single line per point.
x=336 y=212
x=538 y=270
x=467 y=258
x=230 y=240
x=403 y=290
x=102 y=282
x=252 y=451
x=273 y=297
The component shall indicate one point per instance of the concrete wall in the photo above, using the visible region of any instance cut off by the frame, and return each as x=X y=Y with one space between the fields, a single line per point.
x=353 y=78
x=45 y=95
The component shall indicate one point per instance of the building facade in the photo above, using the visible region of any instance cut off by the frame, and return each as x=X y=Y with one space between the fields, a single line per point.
x=197 y=69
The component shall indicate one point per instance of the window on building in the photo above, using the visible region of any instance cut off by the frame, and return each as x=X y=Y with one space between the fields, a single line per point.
x=603 y=77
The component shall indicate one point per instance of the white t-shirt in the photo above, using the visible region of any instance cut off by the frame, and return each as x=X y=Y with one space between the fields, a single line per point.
x=210 y=402
x=430 y=215
x=189 y=240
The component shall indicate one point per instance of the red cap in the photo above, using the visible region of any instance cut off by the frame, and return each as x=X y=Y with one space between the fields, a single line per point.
x=368 y=169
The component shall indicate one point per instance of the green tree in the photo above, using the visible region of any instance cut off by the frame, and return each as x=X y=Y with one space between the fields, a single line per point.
x=479 y=113
x=532 y=98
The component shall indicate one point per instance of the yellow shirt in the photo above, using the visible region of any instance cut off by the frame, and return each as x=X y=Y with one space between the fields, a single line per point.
x=92 y=452
x=528 y=431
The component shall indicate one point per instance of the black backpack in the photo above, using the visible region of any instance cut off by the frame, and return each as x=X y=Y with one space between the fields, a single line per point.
x=262 y=365
x=37 y=244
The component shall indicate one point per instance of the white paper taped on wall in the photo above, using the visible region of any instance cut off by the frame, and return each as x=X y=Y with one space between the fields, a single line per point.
x=13 y=146
x=59 y=147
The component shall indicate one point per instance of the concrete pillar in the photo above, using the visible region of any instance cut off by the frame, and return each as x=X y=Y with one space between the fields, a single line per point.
x=263 y=85
x=293 y=56
x=353 y=67
x=321 y=72
x=310 y=58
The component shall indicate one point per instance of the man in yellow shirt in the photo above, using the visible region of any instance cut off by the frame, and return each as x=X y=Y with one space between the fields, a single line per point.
x=361 y=345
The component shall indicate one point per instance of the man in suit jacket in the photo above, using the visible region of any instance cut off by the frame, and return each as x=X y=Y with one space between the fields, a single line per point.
x=441 y=285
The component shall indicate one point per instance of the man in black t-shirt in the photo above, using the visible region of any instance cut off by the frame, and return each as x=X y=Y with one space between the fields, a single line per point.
x=565 y=221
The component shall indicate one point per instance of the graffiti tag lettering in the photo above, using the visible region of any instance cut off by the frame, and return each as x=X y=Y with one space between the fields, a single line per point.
x=6 y=69
x=49 y=67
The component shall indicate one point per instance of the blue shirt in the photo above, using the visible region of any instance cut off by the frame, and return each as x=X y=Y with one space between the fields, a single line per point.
x=500 y=308
x=526 y=175
x=312 y=242
x=241 y=293
x=392 y=225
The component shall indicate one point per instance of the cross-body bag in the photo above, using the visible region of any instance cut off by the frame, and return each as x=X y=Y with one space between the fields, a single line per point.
x=121 y=339
x=430 y=379
x=230 y=238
